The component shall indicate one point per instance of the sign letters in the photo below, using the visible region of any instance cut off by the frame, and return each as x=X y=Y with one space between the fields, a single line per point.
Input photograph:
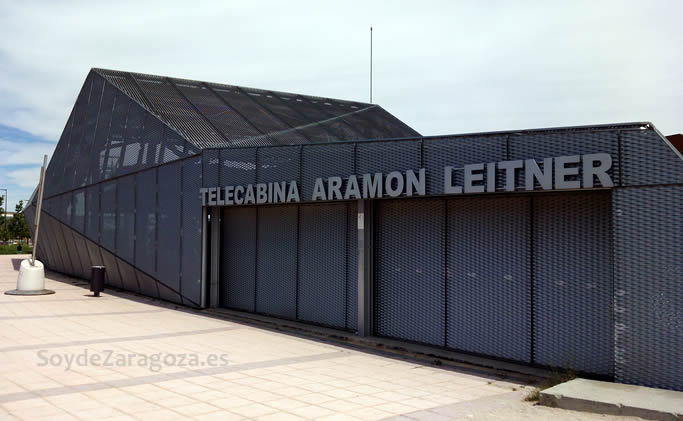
x=559 y=173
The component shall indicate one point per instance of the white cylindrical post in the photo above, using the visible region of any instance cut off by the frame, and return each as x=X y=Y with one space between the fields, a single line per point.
x=31 y=280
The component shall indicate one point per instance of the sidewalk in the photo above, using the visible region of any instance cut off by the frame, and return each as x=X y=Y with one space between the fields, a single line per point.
x=54 y=352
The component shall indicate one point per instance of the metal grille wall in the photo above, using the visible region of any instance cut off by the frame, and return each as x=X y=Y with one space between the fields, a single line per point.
x=525 y=278
x=573 y=282
x=410 y=270
x=648 y=226
x=292 y=261
x=489 y=276
x=147 y=224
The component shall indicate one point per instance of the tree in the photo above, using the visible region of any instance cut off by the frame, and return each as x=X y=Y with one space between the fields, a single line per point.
x=4 y=233
x=17 y=225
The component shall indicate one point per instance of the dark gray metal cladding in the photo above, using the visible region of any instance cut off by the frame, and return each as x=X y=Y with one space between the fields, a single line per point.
x=293 y=261
x=488 y=246
x=238 y=258
x=410 y=259
x=583 y=280
x=573 y=282
x=648 y=243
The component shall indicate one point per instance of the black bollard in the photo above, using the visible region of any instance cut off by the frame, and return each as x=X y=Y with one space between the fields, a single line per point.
x=97 y=280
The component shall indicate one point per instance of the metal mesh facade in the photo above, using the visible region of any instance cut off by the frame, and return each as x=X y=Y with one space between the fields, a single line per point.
x=291 y=261
x=209 y=114
x=488 y=288
x=527 y=278
x=589 y=281
x=410 y=293
x=573 y=282
x=648 y=233
x=127 y=170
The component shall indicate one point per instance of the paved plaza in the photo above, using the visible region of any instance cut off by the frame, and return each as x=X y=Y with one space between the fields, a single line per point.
x=71 y=356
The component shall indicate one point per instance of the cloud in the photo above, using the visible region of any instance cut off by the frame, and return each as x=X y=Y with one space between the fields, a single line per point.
x=23 y=153
x=441 y=66
x=25 y=177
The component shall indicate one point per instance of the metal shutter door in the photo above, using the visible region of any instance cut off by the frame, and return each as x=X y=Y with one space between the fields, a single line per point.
x=409 y=270
x=238 y=262
x=489 y=276
x=322 y=264
x=276 y=261
x=573 y=282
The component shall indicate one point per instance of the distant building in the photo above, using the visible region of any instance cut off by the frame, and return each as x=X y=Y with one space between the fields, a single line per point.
x=677 y=141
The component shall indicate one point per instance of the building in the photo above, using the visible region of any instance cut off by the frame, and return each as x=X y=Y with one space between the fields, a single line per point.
x=555 y=247
x=677 y=141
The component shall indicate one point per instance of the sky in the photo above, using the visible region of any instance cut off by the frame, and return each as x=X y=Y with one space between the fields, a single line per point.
x=443 y=67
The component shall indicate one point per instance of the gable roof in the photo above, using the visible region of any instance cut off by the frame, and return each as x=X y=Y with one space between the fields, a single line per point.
x=217 y=115
x=124 y=122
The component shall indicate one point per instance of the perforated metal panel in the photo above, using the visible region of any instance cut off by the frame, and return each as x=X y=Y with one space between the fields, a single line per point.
x=409 y=270
x=489 y=276
x=573 y=282
x=223 y=117
x=322 y=264
x=94 y=253
x=108 y=215
x=92 y=212
x=146 y=221
x=111 y=274
x=648 y=160
x=72 y=159
x=47 y=243
x=78 y=253
x=152 y=137
x=276 y=282
x=116 y=137
x=177 y=111
x=385 y=157
x=173 y=147
x=648 y=226
x=125 y=222
x=557 y=143
x=166 y=293
x=316 y=275
x=128 y=279
x=238 y=258
x=325 y=161
x=456 y=153
x=169 y=226
x=211 y=167
x=191 y=258
x=83 y=163
x=131 y=155
x=49 y=239
x=78 y=217
x=98 y=150
x=53 y=236
x=262 y=120
x=278 y=164
x=352 y=266
x=69 y=257
x=148 y=286
x=238 y=167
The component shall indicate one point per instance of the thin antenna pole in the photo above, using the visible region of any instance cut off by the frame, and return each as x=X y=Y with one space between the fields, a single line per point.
x=371 y=64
